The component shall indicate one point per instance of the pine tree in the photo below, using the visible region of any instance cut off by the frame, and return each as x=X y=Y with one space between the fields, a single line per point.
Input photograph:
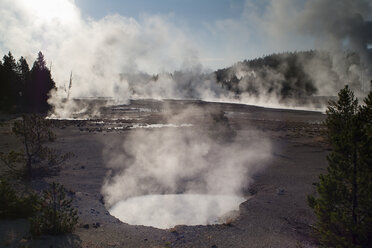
x=9 y=83
x=345 y=193
x=2 y=86
x=24 y=75
x=36 y=158
x=365 y=170
x=40 y=86
x=56 y=215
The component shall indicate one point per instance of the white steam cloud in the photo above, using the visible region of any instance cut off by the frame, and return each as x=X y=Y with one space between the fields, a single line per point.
x=193 y=161
x=116 y=56
x=337 y=27
x=96 y=51
x=339 y=30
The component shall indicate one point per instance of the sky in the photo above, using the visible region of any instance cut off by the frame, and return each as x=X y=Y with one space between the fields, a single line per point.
x=219 y=33
x=224 y=30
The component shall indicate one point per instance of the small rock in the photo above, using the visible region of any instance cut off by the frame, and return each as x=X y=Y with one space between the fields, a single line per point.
x=96 y=225
x=280 y=191
x=86 y=226
x=102 y=200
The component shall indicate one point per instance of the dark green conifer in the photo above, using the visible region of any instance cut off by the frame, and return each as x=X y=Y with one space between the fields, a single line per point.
x=344 y=196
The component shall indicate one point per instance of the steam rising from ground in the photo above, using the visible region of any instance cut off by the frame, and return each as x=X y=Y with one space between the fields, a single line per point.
x=117 y=56
x=344 y=29
x=96 y=51
x=193 y=160
x=339 y=29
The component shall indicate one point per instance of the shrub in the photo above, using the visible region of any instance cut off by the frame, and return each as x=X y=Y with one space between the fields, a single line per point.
x=35 y=158
x=13 y=206
x=56 y=216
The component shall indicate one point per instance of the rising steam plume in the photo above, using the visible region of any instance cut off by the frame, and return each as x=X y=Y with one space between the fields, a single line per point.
x=118 y=56
x=199 y=161
x=338 y=26
x=339 y=29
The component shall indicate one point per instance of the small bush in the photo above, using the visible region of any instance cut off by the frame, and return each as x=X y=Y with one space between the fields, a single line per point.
x=36 y=158
x=56 y=216
x=13 y=206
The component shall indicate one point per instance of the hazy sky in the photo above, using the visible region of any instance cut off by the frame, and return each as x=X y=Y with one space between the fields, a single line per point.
x=165 y=35
x=224 y=31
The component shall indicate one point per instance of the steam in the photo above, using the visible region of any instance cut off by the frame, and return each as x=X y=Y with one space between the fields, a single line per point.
x=345 y=29
x=193 y=160
x=149 y=57
x=96 y=51
x=339 y=30
x=337 y=27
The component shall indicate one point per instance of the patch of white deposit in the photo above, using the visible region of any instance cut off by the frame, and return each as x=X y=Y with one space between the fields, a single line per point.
x=159 y=125
x=166 y=211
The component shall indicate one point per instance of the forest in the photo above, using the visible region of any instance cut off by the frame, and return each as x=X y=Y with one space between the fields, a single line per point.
x=284 y=75
x=23 y=89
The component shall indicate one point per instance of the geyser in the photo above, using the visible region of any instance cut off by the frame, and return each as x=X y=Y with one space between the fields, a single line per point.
x=166 y=211
x=194 y=175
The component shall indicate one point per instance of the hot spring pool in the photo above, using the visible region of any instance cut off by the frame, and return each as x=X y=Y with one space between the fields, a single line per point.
x=166 y=211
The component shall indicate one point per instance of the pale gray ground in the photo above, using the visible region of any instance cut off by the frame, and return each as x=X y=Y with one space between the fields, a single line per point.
x=276 y=216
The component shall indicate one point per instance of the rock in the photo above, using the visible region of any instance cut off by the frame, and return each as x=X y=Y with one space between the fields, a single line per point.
x=96 y=225
x=102 y=200
x=86 y=226
x=280 y=191
x=79 y=195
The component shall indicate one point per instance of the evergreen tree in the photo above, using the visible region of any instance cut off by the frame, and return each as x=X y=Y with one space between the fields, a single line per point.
x=40 y=86
x=9 y=83
x=36 y=158
x=365 y=170
x=56 y=215
x=345 y=193
x=2 y=86
x=24 y=75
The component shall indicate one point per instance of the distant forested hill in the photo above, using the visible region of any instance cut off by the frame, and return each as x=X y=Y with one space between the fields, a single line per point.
x=284 y=75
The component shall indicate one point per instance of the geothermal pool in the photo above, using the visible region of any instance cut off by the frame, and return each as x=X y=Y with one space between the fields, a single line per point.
x=167 y=211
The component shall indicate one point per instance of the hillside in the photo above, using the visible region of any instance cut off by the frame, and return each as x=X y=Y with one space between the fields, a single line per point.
x=287 y=75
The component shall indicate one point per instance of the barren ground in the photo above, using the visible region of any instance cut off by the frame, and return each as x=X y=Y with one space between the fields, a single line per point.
x=276 y=216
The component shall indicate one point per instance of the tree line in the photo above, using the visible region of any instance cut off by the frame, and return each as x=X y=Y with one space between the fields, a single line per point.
x=23 y=89
x=285 y=75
